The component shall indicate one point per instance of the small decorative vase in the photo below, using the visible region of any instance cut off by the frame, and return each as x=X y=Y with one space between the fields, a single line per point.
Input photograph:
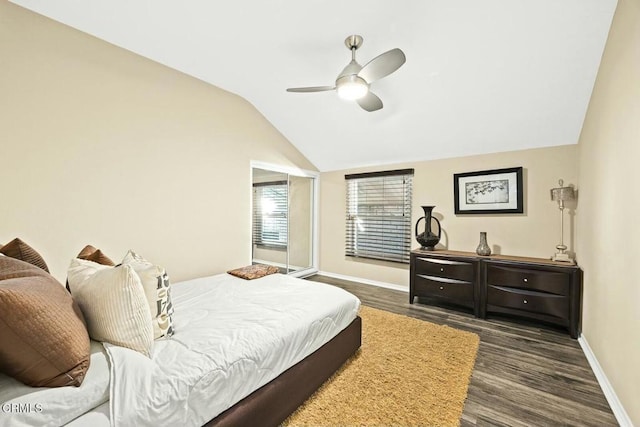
x=483 y=248
x=428 y=239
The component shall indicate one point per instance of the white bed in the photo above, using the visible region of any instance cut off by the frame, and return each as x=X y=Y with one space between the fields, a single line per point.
x=232 y=337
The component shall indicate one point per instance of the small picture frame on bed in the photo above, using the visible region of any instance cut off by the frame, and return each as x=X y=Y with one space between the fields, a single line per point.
x=496 y=191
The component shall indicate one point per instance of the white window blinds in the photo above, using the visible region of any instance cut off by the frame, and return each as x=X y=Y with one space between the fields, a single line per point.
x=379 y=215
x=270 y=214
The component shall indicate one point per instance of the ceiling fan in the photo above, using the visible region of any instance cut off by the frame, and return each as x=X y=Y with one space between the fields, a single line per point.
x=353 y=82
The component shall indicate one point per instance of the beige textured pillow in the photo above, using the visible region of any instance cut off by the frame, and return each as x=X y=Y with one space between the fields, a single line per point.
x=92 y=254
x=157 y=289
x=113 y=303
x=43 y=339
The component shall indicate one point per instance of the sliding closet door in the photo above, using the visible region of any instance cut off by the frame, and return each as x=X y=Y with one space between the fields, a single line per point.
x=300 y=223
x=283 y=220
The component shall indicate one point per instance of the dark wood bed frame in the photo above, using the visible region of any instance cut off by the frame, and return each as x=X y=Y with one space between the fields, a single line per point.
x=271 y=404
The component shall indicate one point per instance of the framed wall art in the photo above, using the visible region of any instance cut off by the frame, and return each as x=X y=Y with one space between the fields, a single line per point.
x=496 y=191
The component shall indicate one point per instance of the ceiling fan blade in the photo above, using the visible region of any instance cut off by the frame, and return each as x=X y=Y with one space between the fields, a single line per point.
x=370 y=102
x=310 y=89
x=382 y=65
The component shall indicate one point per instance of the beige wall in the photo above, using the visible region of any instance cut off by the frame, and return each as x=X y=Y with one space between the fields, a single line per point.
x=608 y=225
x=101 y=146
x=534 y=233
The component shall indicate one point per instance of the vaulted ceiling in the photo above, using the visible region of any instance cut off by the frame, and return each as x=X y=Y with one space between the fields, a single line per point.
x=481 y=75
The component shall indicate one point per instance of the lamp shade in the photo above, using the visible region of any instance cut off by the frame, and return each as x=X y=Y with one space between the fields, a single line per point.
x=562 y=194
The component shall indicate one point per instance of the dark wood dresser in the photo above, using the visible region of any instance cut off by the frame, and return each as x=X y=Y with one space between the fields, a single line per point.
x=534 y=288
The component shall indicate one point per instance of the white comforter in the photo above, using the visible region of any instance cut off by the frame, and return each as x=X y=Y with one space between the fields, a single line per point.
x=232 y=337
x=24 y=406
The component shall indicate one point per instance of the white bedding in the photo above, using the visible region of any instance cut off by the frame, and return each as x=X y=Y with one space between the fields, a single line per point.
x=41 y=406
x=232 y=337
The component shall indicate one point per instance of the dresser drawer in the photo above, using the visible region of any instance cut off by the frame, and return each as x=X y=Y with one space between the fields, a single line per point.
x=458 y=270
x=454 y=290
x=526 y=300
x=537 y=280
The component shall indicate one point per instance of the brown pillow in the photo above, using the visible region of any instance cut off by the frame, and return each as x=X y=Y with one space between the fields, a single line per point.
x=43 y=338
x=90 y=253
x=253 y=271
x=20 y=250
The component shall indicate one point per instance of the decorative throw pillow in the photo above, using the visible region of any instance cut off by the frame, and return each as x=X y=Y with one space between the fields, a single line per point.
x=113 y=303
x=43 y=338
x=157 y=289
x=253 y=271
x=20 y=250
x=92 y=254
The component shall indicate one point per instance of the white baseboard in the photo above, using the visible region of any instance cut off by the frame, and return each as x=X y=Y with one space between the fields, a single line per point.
x=616 y=406
x=365 y=281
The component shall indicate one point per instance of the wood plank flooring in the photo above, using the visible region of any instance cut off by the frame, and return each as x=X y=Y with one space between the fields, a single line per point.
x=525 y=374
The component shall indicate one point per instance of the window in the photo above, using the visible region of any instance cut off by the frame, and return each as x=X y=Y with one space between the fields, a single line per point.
x=270 y=214
x=379 y=215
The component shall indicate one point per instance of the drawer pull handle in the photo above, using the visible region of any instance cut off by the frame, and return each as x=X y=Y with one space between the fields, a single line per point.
x=442 y=269
x=525 y=279
x=441 y=288
x=525 y=301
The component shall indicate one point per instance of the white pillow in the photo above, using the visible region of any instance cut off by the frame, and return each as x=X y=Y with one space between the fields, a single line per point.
x=157 y=289
x=113 y=303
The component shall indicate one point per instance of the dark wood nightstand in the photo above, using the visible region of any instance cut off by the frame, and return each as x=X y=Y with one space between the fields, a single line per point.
x=448 y=278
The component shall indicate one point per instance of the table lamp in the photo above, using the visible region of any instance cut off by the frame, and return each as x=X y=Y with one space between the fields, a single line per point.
x=562 y=194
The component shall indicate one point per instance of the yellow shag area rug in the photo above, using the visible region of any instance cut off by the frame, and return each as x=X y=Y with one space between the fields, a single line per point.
x=408 y=372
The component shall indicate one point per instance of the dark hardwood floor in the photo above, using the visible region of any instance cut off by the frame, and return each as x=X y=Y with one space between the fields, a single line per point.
x=525 y=374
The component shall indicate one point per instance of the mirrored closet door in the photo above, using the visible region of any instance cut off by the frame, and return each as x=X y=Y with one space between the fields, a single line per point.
x=283 y=220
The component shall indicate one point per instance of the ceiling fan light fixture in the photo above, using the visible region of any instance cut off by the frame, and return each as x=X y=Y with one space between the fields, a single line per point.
x=351 y=87
x=353 y=82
